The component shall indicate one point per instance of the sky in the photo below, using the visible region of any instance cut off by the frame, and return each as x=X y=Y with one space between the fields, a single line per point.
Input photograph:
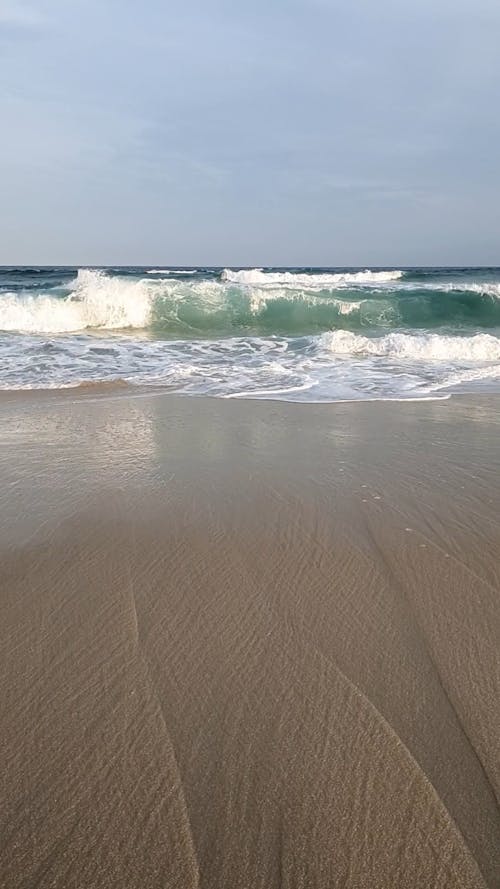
x=270 y=132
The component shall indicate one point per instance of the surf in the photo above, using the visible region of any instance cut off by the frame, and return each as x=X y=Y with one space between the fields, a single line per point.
x=296 y=334
x=95 y=300
x=228 y=302
x=308 y=280
x=422 y=347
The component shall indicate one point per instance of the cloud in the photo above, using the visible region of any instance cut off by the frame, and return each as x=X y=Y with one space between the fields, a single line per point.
x=19 y=15
x=249 y=132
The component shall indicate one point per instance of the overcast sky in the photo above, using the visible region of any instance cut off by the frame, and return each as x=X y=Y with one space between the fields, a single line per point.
x=270 y=132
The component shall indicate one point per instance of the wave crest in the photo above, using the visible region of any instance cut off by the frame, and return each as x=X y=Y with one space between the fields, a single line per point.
x=168 y=272
x=421 y=347
x=100 y=301
x=308 y=281
x=278 y=304
x=96 y=301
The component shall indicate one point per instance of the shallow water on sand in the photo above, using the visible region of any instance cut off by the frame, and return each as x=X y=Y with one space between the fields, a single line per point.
x=249 y=644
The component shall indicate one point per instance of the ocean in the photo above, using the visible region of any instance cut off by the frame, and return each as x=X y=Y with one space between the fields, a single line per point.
x=302 y=334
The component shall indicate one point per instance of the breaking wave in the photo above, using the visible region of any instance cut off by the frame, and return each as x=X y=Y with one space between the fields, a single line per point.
x=307 y=280
x=168 y=272
x=275 y=303
x=421 y=347
x=300 y=334
x=96 y=301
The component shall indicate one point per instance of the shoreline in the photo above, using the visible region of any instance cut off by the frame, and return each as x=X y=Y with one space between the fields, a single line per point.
x=249 y=644
x=121 y=388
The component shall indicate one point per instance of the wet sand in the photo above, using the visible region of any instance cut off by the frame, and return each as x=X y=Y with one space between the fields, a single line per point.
x=249 y=644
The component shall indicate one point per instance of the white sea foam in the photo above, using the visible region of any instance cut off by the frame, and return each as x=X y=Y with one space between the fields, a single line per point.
x=97 y=301
x=261 y=297
x=482 y=288
x=347 y=308
x=172 y=271
x=420 y=347
x=491 y=289
x=458 y=379
x=308 y=281
x=254 y=367
x=100 y=301
x=338 y=365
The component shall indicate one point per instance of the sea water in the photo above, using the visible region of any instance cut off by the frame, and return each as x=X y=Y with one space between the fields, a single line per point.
x=298 y=334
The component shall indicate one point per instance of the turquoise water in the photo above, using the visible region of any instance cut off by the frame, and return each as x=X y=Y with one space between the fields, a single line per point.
x=301 y=334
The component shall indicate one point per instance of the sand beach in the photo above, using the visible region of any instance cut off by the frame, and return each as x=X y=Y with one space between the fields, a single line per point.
x=249 y=644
